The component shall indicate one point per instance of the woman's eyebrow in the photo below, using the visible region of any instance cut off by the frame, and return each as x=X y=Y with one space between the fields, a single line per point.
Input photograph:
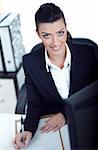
x=60 y=30
x=44 y=33
x=50 y=33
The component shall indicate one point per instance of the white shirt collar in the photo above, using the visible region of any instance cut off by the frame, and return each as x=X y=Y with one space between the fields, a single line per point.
x=66 y=63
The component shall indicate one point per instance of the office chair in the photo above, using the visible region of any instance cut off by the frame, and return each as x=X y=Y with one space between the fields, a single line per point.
x=20 y=106
x=21 y=101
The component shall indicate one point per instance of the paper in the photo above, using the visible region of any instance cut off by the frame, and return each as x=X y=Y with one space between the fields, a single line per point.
x=44 y=141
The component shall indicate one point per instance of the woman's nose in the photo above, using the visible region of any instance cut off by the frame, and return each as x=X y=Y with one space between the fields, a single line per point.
x=55 y=40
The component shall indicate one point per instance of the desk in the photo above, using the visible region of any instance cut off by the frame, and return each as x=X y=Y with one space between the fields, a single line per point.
x=41 y=141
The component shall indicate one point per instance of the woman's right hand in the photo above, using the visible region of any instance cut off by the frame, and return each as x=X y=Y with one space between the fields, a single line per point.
x=22 y=139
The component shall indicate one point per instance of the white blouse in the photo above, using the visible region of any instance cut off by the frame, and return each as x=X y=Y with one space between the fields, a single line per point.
x=60 y=76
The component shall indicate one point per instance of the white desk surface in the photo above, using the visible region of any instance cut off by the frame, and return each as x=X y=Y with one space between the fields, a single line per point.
x=41 y=141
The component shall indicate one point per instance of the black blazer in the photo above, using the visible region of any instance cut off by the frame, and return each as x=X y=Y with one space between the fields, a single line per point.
x=43 y=97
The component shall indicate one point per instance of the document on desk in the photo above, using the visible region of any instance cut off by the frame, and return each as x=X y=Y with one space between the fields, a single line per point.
x=10 y=124
x=44 y=141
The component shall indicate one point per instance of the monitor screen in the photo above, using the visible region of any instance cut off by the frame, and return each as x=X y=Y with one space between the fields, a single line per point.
x=82 y=117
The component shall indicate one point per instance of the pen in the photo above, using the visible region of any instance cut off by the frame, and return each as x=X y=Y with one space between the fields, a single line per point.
x=22 y=119
x=22 y=127
x=22 y=124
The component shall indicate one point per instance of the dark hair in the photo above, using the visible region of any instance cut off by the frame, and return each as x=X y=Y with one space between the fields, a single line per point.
x=48 y=12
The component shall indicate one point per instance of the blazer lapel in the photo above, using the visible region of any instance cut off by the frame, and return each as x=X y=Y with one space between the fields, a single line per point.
x=45 y=78
x=46 y=81
x=76 y=69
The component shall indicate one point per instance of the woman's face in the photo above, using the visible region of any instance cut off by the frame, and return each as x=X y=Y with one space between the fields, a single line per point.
x=53 y=36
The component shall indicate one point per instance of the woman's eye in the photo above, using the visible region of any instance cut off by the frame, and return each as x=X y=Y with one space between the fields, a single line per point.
x=46 y=36
x=60 y=33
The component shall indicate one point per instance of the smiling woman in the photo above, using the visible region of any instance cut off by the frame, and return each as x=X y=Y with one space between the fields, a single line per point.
x=54 y=70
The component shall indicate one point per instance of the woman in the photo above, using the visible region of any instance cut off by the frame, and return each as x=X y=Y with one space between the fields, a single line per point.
x=55 y=69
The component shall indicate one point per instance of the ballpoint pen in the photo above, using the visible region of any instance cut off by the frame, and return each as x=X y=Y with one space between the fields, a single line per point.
x=22 y=127
x=22 y=124
x=22 y=119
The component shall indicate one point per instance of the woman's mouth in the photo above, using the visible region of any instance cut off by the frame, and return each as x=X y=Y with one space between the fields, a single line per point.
x=56 y=48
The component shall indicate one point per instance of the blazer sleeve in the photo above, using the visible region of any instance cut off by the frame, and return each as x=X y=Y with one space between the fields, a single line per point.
x=34 y=109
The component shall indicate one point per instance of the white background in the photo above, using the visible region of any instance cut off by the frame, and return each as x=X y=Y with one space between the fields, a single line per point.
x=81 y=17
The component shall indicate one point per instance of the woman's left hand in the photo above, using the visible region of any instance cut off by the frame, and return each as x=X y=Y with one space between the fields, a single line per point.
x=53 y=123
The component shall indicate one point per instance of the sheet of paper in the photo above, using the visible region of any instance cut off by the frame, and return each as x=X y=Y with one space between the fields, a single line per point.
x=41 y=141
x=44 y=141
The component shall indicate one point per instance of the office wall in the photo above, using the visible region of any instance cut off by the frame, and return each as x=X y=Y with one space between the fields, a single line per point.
x=81 y=17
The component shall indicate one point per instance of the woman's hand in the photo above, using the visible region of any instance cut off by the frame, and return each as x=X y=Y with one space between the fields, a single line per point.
x=54 y=123
x=22 y=140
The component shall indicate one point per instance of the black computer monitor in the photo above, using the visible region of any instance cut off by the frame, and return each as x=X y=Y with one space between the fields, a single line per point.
x=82 y=117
